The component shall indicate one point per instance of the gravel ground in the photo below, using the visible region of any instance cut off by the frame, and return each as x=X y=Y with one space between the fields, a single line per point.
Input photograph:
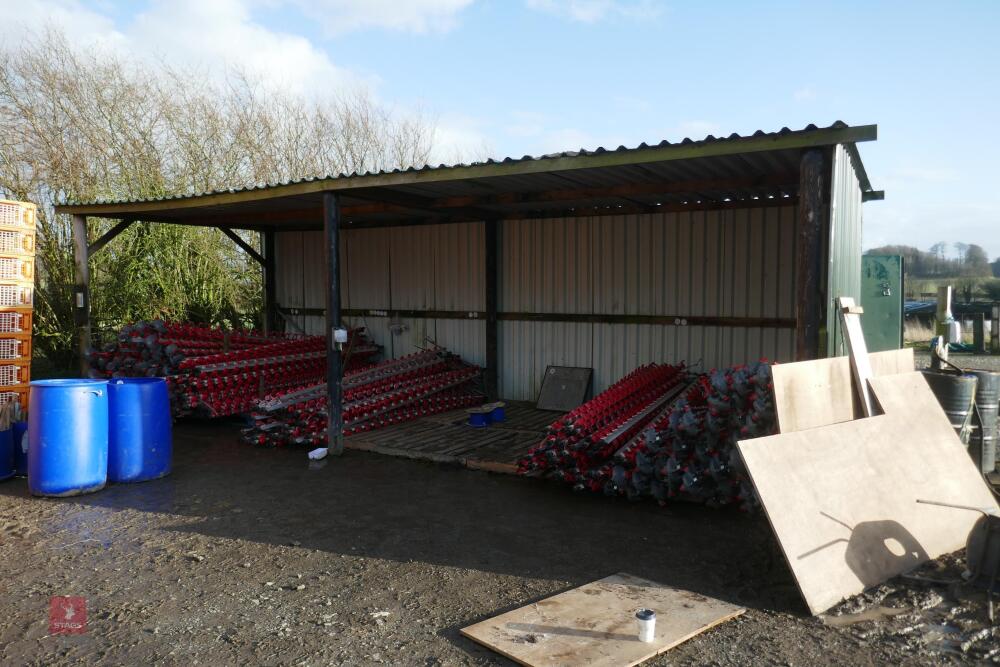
x=250 y=555
x=989 y=362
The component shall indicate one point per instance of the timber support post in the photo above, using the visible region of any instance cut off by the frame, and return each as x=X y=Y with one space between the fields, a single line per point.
x=492 y=375
x=810 y=308
x=270 y=282
x=81 y=290
x=334 y=361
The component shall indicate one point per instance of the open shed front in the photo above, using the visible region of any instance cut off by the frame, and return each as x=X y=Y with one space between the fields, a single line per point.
x=715 y=252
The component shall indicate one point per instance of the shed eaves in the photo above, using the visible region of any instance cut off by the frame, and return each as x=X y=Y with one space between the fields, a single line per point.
x=727 y=169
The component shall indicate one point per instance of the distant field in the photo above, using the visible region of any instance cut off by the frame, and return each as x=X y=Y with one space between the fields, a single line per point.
x=926 y=288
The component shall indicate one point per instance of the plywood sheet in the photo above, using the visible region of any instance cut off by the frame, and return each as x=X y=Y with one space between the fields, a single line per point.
x=595 y=624
x=809 y=394
x=842 y=498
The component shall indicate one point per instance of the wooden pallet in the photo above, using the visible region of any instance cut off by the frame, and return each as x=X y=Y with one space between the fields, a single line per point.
x=445 y=438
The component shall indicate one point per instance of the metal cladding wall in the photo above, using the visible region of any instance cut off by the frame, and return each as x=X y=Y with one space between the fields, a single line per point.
x=844 y=277
x=730 y=263
x=437 y=267
x=727 y=263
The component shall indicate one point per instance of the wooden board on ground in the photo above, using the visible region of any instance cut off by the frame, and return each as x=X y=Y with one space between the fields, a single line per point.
x=809 y=394
x=841 y=498
x=595 y=624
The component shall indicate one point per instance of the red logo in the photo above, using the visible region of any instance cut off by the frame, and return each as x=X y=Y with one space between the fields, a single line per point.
x=67 y=615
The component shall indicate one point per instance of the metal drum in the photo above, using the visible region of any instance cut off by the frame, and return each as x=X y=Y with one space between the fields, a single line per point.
x=984 y=428
x=956 y=394
x=68 y=437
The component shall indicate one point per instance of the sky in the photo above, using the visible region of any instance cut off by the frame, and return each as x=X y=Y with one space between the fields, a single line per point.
x=516 y=77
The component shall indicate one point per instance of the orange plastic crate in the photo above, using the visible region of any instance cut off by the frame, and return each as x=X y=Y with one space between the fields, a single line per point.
x=14 y=373
x=16 y=295
x=18 y=242
x=19 y=394
x=17 y=268
x=17 y=214
x=16 y=347
x=16 y=320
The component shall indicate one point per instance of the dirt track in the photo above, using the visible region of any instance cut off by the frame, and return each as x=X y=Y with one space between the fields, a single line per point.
x=252 y=555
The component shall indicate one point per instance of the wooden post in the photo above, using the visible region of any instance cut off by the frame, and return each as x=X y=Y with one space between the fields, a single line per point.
x=810 y=300
x=270 y=284
x=334 y=363
x=81 y=290
x=492 y=376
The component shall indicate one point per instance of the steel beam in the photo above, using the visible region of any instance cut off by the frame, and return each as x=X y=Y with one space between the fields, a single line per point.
x=334 y=363
x=810 y=308
x=81 y=291
x=270 y=282
x=492 y=375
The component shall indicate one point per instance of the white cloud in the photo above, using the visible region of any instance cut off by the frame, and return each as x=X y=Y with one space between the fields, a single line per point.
x=210 y=36
x=420 y=16
x=222 y=34
x=592 y=11
x=458 y=139
x=70 y=16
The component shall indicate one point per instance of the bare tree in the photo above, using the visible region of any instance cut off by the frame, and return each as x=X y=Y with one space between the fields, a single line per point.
x=84 y=126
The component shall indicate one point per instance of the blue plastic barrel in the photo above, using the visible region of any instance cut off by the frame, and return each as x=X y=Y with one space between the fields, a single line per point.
x=6 y=454
x=68 y=437
x=20 y=448
x=140 y=439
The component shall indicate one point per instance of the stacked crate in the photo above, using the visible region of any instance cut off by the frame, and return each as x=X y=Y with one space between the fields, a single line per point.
x=17 y=283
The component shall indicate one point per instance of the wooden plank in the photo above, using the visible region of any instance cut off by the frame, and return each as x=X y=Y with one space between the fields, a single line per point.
x=809 y=394
x=842 y=498
x=854 y=339
x=595 y=624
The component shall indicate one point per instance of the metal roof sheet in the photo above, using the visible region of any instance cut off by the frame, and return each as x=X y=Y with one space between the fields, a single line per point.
x=757 y=156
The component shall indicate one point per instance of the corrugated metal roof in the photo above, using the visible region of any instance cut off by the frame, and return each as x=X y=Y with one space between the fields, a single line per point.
x=729 y=168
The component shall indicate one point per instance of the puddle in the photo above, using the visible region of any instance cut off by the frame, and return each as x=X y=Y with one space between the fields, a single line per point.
x=872 y=614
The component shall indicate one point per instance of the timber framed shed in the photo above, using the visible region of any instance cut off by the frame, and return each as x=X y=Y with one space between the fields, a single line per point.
x=722 y=250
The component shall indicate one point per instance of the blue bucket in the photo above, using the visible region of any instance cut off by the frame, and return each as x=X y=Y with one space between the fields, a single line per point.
x=20 y=448
x=6 y=454
x=140 y=439
x=478 y=417
x=498 y=414
x=68 y=437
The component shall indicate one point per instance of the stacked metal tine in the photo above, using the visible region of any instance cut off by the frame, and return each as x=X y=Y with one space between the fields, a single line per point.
x=215 y=373
x=391 y=392
x=585 y=440
x=17 y=279
x=692 y=455
x=654 y=435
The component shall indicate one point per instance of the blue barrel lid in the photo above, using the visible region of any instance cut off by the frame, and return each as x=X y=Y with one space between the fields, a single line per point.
x=645 y=614
x=68 y=382
x=136 y=380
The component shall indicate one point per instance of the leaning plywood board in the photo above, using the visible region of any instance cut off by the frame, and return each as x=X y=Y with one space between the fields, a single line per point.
x=595 y=624
x=842 y=498
x=808 y=394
